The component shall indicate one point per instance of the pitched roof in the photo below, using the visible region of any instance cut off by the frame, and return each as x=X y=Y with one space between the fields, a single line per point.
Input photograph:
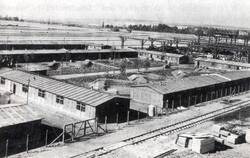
x=11 y=114
x=225 y=62
x=63 y=51
x=81 y=94
x=160 y=53
x=196 y=82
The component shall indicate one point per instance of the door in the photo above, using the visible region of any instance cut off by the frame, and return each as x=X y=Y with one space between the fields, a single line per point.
x=14 y=88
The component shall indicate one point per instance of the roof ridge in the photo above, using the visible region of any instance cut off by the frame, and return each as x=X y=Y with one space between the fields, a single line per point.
x=219 y=75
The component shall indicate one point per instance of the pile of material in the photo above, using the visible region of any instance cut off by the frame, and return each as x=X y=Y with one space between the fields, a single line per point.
x=178 y=74
x=227 y=136
x=248 y=135
x=200 y=143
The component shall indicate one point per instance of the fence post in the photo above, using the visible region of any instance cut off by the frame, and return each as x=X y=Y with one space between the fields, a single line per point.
x=117 y=119
x=73 y=132
x=106 y=127
x=27 y=143
x=63 y=136
x=128 y=117
x=46 y=138
x=85 y=127
x=138 y=115
x=96 y=124
x=6 y=148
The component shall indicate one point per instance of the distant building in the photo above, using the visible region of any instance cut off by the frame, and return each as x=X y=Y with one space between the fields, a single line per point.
x=162 y=56
x=220 y=64
x=43 y=55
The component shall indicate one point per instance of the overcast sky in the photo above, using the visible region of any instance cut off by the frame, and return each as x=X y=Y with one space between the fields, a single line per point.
x=213 y=12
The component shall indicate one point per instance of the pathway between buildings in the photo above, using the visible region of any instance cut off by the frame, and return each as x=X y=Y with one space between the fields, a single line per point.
x=69 y=76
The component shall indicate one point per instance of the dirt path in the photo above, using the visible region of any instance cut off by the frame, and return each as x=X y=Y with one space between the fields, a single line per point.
x=69 y=76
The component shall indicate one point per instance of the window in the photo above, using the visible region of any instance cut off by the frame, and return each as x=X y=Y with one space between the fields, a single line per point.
x=2 y=80
x=59 y=99
x=41 y=93
x=80 y=106
x=25 y=88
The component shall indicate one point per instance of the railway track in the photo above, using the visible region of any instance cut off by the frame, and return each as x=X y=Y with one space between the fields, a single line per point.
x=164 y=131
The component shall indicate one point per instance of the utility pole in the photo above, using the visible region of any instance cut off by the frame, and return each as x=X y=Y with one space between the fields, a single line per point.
x=28 y=91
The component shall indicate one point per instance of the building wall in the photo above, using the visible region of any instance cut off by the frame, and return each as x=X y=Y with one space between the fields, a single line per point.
x=17 y=137
x=112 y=108
x=144 y=96
x=69 y=106
x=170 y=59
x=198 y=95
x=202 y=64
x=147 y=96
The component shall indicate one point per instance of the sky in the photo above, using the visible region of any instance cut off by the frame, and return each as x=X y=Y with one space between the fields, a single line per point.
x=196 y=12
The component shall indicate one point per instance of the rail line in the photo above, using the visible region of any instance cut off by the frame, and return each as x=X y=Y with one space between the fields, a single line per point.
x=167 y=130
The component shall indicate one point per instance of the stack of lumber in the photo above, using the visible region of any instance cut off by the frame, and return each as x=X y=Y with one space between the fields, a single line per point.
x=201 y=143
x=227 y=136
x=248 y=135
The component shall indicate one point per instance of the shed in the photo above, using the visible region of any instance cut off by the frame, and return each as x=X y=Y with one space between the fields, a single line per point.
x=16 y=121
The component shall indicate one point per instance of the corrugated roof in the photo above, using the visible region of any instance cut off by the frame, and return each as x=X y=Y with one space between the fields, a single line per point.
x=196 y=82
x=81 y=94
x=11 y=114
x=225 y=62
x=62 y=51
x=30 y=42
x=160 y=53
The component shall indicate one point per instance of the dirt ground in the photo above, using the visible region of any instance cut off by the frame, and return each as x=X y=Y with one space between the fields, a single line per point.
x=238 y=120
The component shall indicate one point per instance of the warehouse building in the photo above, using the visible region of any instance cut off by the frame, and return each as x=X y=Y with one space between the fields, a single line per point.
x=220 y=64
x=67 y=98
x=188 y=91
x=162 y=56
x=42 y=44
x=43 y=55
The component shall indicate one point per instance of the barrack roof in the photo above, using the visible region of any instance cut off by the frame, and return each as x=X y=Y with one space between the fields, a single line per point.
x=70 y=91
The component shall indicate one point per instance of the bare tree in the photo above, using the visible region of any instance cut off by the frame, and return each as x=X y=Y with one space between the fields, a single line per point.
x=123 y=67
x=147 y=64
x=137 y=64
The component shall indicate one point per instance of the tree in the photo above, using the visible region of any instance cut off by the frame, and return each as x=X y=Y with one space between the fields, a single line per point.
x=147 y=64
x=137 y=64
x=26 y=59
x=123 y=67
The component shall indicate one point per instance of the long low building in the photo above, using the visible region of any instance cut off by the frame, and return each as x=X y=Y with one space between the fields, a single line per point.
x=220 y=64
x=161 y=56
x=188 y=91
x=71 y=99
x=44 y=55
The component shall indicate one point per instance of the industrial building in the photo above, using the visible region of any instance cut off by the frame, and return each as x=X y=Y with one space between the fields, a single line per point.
x=188 y=91
x=162 y=56
x=42 y=44
x=220 y=64
x=44 y=55
x=70 y=99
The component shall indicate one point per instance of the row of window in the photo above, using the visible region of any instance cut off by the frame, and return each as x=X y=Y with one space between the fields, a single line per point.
x=41 y=93
x=2 y=80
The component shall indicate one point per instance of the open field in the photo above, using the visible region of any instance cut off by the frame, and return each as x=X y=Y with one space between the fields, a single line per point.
x=11 y=30
x=79 y=68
